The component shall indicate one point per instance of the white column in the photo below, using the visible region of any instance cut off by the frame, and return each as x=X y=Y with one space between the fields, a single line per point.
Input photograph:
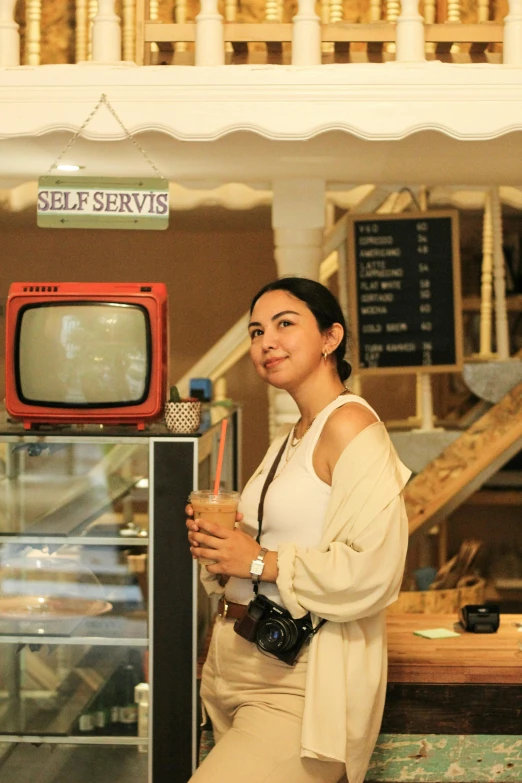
x=393 y=8
x=180 y=17
x=82 y=33
x=425 y=402
x=327 y=47
x=106 y=34
x=154 y=16
x=454 y=15
x=92 y=10
x=410 y=34
x=336 y=11
x=210 y=46
x=306 y=35
x=429 y=18
x=453 y=10
x=501 y=321
x=128 y=11
x=231 y=16
x=33 y=13
x=513 y=34
x=272 y=11
x=483 y=10
x=486 y=290
x=375 y=10
x=9 y=35
x=354 y=382
x=298 y=218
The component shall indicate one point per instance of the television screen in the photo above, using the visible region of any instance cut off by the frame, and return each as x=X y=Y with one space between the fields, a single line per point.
x=80 y=353
x=83 y=354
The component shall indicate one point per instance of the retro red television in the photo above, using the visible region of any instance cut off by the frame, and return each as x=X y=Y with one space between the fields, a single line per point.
x=86 y=352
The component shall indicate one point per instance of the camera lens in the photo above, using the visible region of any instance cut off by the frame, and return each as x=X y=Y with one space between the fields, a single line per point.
x=276 y=635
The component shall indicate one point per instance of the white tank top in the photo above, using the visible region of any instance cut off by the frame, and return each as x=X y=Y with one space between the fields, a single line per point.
x=295 y=503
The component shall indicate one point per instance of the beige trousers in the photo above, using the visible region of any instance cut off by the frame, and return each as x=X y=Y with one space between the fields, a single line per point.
x=255 y=703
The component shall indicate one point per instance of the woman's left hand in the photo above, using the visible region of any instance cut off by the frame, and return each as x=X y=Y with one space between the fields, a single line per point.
x=232 y=550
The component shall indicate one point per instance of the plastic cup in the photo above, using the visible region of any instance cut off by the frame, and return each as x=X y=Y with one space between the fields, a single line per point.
x=220 y=509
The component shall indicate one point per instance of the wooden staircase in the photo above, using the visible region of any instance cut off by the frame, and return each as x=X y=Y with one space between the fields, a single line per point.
x=484 y=448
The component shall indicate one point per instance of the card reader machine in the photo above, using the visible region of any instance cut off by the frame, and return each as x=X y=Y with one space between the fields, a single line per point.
x=480 y=618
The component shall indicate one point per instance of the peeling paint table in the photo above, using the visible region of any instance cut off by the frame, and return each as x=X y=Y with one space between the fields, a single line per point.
x=454 y=706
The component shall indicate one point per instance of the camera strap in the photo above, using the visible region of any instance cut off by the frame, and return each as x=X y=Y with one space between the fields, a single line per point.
x=268 y=481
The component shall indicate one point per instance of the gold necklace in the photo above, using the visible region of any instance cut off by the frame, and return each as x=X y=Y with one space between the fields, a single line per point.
x=296 y=441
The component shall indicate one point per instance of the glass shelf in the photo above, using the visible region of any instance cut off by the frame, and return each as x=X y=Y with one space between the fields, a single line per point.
x=83 y=763
x=53 y=691
x=74 y=489
x=73 y=591
x=110 y=630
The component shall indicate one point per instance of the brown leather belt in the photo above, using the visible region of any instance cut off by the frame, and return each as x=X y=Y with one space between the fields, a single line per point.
x=230 y=611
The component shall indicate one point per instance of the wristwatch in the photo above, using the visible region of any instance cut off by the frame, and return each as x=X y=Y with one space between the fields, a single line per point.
x=257 y=566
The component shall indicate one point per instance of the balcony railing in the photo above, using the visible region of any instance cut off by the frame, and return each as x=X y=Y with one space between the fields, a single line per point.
x=145 y=31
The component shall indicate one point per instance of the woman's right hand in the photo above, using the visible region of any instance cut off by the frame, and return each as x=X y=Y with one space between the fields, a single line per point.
x=193 y=526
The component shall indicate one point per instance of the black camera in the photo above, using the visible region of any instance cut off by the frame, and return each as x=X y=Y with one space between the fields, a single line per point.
x=274 y=630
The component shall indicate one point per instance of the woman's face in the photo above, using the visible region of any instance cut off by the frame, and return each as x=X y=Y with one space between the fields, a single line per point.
x=286 y=344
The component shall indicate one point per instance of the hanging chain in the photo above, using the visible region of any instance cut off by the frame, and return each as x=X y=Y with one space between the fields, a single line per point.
x=128 y=135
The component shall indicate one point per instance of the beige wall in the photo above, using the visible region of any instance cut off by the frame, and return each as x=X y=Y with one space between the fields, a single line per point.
x=212 y=261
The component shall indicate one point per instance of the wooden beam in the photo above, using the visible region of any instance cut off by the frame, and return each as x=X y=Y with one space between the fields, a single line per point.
x=466 y=464
x=452 y=32
x=378 y=32
x=157 y=32
x=375 y=34
x=260 y=33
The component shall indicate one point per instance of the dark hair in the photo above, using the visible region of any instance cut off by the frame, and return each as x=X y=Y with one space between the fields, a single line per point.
x=324 y=306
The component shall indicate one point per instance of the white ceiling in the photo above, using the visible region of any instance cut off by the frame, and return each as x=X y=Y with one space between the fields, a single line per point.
x=342 y=159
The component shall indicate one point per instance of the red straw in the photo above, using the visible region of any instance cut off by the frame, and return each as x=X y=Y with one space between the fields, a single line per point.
x=221 y=453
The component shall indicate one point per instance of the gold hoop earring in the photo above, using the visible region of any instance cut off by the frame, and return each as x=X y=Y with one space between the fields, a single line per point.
x=325 y=355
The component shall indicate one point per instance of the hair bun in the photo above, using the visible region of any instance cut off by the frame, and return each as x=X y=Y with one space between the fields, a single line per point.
x=345 y=370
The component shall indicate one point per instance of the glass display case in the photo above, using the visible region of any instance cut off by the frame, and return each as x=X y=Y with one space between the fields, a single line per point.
x=100 y=622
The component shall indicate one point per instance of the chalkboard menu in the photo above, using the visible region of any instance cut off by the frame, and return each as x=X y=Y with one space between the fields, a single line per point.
x=405 y=292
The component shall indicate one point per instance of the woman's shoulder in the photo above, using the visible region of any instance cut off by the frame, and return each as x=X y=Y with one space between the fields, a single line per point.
x=346 y=422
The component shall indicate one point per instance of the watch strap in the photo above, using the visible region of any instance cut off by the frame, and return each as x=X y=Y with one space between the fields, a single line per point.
x=256 y=578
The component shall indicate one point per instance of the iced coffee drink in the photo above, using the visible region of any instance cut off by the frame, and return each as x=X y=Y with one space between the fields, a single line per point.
x=220 y=509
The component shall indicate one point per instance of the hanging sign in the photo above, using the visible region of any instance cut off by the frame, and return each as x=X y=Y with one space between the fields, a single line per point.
x=405 y=292
x=103 y=202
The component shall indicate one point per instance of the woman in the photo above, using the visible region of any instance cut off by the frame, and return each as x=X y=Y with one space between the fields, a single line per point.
x=334 y=538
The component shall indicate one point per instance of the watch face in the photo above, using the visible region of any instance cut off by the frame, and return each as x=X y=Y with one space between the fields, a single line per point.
x=256 y=567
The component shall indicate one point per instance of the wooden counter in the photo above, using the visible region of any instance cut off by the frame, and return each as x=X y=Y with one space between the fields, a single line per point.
x=453 y=707
x=470 y=658
x=468 y=684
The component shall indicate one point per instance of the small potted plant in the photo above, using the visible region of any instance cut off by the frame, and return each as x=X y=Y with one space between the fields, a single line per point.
x=182 y=415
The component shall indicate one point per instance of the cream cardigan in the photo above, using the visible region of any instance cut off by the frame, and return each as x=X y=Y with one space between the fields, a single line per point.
x=349 y=579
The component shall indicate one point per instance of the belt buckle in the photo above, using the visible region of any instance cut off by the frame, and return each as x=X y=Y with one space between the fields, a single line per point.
x=224 y=613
